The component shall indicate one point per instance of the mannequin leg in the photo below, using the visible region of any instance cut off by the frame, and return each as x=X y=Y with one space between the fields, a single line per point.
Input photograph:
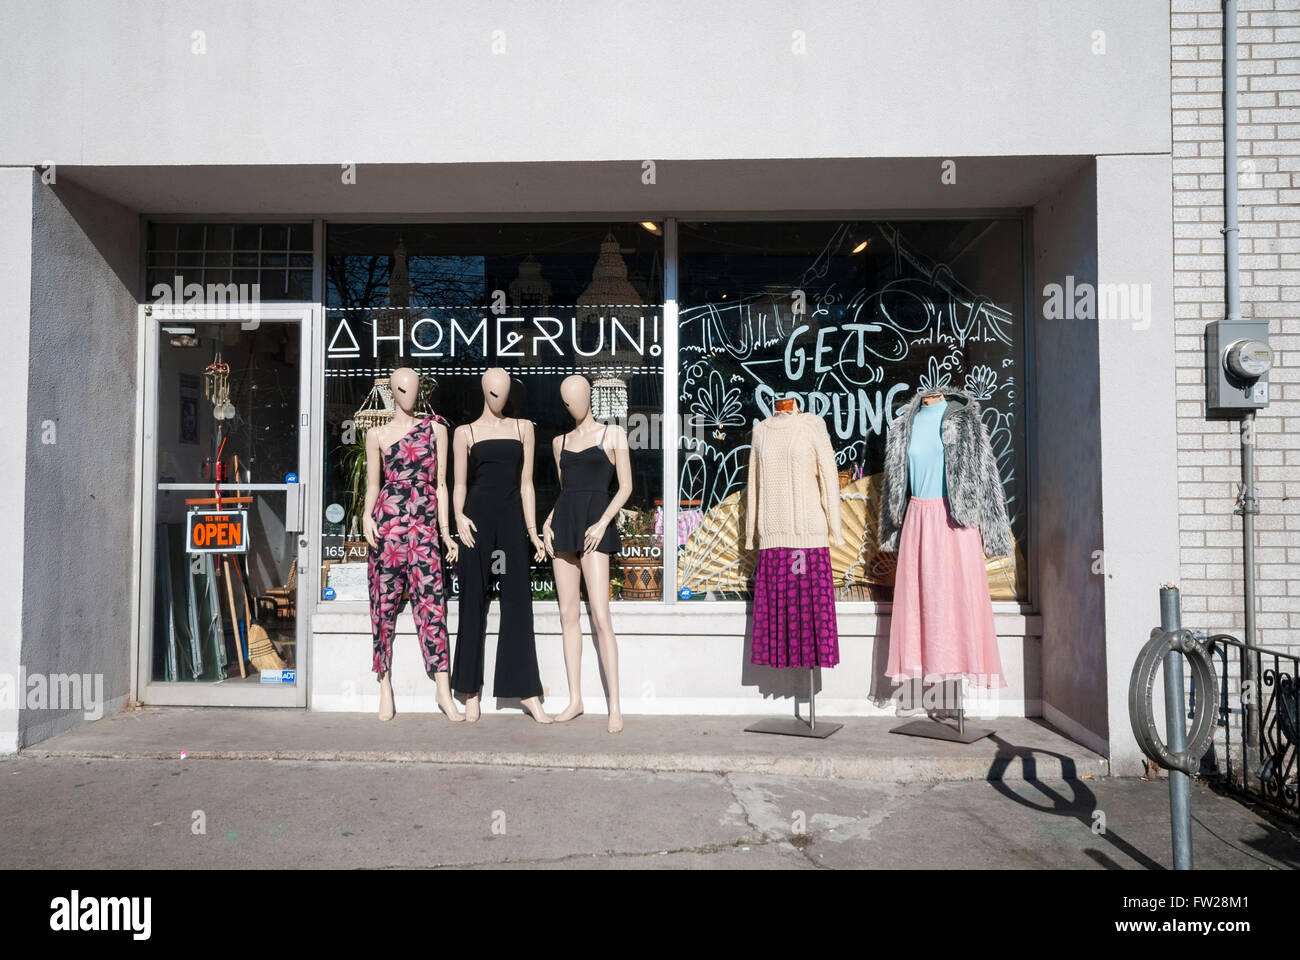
x=568 y=585
x=386 y=584
x=595 y=570
x=467 y=674
x=429 y=609
x=516 y=667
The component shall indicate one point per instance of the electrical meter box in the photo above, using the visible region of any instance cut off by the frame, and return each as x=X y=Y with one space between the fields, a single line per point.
x=1237 y=361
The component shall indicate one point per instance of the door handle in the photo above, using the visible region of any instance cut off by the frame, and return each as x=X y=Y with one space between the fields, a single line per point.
x=295 y=495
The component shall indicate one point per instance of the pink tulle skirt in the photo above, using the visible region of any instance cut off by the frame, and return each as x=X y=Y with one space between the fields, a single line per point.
x=942 y=622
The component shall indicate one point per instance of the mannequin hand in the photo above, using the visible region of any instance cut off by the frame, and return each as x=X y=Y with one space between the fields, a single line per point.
x=539 y=548
x=591 y=539
x=371 y=530
x=467 y=530
x=453 y=550
x=548 y=540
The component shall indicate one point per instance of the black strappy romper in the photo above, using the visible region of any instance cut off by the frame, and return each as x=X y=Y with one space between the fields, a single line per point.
x=584 y=494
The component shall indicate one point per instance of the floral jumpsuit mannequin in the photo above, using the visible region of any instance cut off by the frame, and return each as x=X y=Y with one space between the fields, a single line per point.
x=402 y=522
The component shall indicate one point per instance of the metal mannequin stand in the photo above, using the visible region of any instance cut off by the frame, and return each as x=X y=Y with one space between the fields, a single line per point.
x=795 y=727
x=937 y=730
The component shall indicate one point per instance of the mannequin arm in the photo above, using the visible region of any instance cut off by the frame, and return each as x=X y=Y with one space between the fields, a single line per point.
x=526 y=492
x=440 y=439
x=751 y=497
x=623 y=467
x=373 y=458
x=828 y=479
x=460 y=450
x=547 y=534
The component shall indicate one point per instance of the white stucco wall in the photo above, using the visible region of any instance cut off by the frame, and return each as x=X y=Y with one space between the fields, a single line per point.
x=15 y=318
x=243 y=81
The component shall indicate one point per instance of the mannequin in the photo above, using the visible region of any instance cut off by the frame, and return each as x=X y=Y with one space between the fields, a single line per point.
x=495 y=507
x=792 y=503
x=943 y=509
x=579 y=537
x=409 y=456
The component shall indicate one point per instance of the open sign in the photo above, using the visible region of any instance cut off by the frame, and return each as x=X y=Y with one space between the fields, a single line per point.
x=217 y=531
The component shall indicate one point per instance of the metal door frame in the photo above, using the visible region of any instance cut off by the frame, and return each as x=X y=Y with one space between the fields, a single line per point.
x=155 y=692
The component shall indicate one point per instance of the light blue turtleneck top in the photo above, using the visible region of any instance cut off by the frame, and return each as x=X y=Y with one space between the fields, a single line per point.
x=925 y=471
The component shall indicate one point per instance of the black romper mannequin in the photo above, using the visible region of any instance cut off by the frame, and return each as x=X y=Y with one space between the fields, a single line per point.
x=493 y=503
x=584 y=494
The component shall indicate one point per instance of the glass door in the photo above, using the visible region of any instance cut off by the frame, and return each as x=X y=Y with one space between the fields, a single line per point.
x=224 y=535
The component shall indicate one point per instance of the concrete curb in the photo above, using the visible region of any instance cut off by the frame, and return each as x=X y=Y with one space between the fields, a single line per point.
x=879 y=769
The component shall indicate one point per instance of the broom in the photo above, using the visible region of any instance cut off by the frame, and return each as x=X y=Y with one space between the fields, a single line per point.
x=260 y=651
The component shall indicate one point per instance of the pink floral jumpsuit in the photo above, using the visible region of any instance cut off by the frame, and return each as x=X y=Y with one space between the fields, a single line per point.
x=407 y=557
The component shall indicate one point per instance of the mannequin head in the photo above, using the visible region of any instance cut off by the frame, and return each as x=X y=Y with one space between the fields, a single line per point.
x=575 y=391
x=496 y=390
x=405 y=384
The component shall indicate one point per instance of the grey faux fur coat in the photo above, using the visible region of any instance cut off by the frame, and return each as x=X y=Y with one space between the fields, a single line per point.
x=975 y=495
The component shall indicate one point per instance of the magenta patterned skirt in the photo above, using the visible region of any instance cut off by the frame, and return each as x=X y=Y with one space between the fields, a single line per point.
x=794 y=609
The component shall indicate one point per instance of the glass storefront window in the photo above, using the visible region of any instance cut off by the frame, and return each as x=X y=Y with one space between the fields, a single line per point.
x=542 y=301
x=852 y=317
x=250 y=262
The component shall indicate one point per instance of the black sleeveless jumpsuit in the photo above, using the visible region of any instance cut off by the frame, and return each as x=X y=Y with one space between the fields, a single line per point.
x=501 y=552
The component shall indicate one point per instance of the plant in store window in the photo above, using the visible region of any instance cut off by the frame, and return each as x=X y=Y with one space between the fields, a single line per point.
x=641 y=559
x=352 y=463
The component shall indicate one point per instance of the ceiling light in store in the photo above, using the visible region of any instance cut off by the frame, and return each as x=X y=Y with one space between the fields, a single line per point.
x=861 y=246
x=177 y=330
x=651 y=226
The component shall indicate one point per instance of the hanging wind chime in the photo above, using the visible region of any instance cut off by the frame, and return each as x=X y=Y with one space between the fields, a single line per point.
x=216 y=388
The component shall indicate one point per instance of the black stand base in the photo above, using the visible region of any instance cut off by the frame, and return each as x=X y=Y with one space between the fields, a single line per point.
x=936 y=730
x=793 y=727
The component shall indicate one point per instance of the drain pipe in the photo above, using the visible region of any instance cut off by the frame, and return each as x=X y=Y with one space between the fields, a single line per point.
x=1247 y=503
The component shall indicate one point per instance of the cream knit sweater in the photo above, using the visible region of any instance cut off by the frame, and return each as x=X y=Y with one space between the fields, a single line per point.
x=793 y=494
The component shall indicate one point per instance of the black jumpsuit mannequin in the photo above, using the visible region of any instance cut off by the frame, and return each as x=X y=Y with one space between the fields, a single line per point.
x=500 y=551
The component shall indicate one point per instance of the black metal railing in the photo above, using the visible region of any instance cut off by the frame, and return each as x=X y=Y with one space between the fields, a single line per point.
x=1263 y=765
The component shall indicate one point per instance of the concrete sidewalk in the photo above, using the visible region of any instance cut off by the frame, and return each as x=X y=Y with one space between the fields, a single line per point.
x=75 y=812
x=863 y=750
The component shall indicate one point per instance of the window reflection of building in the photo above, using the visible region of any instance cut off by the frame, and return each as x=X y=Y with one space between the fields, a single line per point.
x=609 y=294
x=530 y=289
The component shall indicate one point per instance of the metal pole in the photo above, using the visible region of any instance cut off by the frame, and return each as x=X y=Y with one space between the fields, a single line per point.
x=1232 y=276
x=812 y=699
x=961 y=710
x=1248 y=508
x=1246 y=504
x=1180 y=800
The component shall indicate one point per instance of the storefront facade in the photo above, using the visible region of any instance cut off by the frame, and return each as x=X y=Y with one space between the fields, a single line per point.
x=693 y=276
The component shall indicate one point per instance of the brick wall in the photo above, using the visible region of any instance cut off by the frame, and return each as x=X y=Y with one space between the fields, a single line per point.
x=1209 y=456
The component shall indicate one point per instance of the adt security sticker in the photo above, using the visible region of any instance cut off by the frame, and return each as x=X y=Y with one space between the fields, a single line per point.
x=278 y=676
x=684 y=593
x=328 y=593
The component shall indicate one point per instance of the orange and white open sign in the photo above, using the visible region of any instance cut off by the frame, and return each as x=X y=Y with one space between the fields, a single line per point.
x=217 y=531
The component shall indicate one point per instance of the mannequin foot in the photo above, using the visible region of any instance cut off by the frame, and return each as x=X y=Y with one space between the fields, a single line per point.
x=534 y=707
x=570 y=712
x=446 y=702
x=615 y=722
x=386 y=706
x=472 y=711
